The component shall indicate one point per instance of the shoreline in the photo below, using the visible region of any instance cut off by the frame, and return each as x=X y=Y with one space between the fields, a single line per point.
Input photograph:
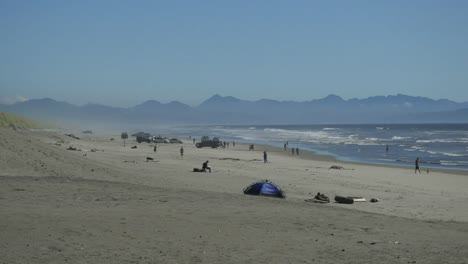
x=308 y=154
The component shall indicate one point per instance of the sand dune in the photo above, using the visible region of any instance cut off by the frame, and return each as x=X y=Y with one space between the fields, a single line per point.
x=106 y=204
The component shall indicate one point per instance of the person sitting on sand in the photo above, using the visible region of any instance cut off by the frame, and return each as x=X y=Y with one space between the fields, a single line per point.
x=205 y=166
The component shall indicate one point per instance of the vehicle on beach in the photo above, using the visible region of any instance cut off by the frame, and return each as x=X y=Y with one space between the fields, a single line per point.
x=207 y=142
x=160 y=140
x=148 y=138
x=175 y=140
x=140 y=139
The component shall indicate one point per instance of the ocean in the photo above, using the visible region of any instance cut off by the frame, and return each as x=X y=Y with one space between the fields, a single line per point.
x=437 y=145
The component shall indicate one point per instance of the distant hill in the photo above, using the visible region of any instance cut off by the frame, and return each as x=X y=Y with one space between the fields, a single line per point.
x=230 y=110
x=14 y=121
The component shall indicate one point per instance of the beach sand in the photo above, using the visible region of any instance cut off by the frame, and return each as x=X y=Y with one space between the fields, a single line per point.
x=110 y=205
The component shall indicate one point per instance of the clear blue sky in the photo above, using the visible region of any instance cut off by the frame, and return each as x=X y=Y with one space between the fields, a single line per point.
x=122 y=53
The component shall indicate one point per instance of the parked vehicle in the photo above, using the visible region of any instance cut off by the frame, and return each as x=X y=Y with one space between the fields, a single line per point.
x=143 y=139
x=175 y=140
x=160 y=140
x=207 y=142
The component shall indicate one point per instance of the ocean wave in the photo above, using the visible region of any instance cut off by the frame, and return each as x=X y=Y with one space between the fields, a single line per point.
x=400 y=138
x=416 y=147
x=330 y=128
x=442 y=153
x=410 y=149
x=386 y=160
x=374 y=139
x=453 y=154
x=451 y=163
x=246 y=138
x=440 y=140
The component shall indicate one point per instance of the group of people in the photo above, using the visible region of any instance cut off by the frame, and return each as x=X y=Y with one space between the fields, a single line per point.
x=205 y=166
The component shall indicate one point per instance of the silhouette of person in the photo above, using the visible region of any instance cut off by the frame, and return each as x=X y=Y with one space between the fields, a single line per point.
x=182 y=152
x=416 y=166
x=297 y=151
x=265 y=157
x=205 y=166
x=155 y=148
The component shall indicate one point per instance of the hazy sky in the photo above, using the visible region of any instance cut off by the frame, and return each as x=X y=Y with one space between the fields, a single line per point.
x=122 y=53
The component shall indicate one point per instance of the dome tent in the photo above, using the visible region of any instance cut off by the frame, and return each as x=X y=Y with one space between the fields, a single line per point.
x=265 y=188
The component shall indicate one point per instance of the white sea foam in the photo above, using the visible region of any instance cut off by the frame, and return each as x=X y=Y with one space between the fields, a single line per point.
x=450 y=163
x=400 y=138
x=443 y=153
x=318 y=137
x=417 y=147
x=440 y=140
x=452 y=154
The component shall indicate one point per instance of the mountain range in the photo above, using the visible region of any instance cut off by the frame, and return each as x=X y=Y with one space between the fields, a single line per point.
x=230 y=110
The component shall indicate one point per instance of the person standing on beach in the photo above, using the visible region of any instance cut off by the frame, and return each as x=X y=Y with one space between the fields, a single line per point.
x=265 y=157
x=284 y=146
x=155 y=147
x=297 y=151
x=416 y=166
x=181 y=152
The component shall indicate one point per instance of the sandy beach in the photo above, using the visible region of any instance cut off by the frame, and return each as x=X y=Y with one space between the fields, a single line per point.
x=107 y=204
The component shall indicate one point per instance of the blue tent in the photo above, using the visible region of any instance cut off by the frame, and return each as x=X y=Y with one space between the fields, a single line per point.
x=265 y=188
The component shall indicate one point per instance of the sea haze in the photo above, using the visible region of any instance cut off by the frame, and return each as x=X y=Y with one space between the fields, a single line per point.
x=437 y=145
x=392 y=109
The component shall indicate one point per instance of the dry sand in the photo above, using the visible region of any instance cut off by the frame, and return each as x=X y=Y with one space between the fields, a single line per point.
x=111 y=206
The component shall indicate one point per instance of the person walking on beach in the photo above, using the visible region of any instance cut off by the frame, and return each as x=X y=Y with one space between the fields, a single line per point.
x=416 y=166
x=297 y=151
x=181 y=152
x=265 y=157
x=284 y=146
x=155 y=148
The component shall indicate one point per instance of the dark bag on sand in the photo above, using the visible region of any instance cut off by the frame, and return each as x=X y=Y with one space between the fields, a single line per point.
x=344 y=200
x=198 y=170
